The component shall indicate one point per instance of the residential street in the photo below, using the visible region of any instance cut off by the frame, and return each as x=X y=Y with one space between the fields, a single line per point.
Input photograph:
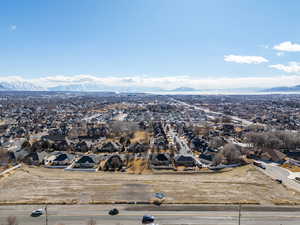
x=277 y=172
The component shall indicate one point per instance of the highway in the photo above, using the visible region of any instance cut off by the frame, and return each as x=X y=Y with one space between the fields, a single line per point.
x=80 y=214
x=212 y=114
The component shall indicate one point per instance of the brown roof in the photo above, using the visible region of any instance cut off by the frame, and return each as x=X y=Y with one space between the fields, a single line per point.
x=275 y=155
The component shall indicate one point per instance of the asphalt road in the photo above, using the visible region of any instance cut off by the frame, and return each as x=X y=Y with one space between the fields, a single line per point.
x=213 y=113
x=80 y=214
x=277 y=172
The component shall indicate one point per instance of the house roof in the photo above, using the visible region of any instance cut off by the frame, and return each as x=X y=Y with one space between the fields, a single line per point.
x=275 y=155
x=86 y=159
x=185 y=158
x=54 y=137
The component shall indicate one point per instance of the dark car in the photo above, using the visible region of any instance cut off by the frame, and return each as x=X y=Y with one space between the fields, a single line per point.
x=147 y=219
x=36 y=213
x=113 y=212
x=278 y=181
x=259 y=165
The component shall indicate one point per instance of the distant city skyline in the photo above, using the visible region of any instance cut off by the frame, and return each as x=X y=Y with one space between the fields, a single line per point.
x=152 y=43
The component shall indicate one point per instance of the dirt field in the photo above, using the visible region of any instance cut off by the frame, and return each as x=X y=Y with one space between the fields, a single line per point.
x=241 y=185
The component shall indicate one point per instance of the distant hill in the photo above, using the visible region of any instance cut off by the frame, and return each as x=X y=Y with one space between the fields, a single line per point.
x=18 y=85
x=2 y=88
x=283 y=89
x=184 y=89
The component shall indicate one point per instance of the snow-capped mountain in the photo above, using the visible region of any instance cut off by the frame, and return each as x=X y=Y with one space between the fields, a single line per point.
x=81 y=87
x=89 y=87
x=19 y=86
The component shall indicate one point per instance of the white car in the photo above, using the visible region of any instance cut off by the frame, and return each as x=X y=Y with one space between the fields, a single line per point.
x=37 y=212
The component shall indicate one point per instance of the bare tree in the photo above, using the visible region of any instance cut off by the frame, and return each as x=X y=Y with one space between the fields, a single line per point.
x=226 y=119
x=26 y=144
x=232 y=153
x=257 y=139
x=121 y=127
x=3 y=156
x=274 y=139
x=218 y=159
x=216 y=142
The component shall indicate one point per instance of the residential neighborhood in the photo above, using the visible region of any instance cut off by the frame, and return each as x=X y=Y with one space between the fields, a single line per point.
x=112 y=132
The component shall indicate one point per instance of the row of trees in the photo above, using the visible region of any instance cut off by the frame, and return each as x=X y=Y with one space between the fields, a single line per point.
x=275 y=139
x=230 y=154
x=3 y=157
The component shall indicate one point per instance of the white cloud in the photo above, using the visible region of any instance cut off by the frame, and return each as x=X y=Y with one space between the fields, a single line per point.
x=280 y=53
x=245 y=59
x=165 y=82
x=292 y=67
x=287 y=46
x=13 y=27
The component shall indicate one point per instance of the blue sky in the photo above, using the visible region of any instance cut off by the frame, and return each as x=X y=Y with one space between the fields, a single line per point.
x=143 y=40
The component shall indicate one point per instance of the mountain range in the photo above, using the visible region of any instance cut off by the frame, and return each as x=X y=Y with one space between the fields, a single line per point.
x=20 y=86
x=97 y=87
x=84 y=87
x=184 y=89
x=283 y=89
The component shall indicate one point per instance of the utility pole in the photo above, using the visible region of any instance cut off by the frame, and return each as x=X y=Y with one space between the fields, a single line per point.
x=240 y=208
x=46 y=214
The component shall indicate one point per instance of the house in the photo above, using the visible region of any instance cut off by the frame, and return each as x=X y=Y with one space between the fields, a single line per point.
x=161 y=160
x=59 y=159
x=54 y=138
x=81 y=146
x=35 y=158
x=58 y=142
x=85 y=161
x=273 y=156
x=207 y=156
x=161 y=143
x=184 y=160
x=111 y=163
x=137 y=148
x=110 y=147
x=97 y=132
x=17 y=155
x=198 y=144
x=228 y=129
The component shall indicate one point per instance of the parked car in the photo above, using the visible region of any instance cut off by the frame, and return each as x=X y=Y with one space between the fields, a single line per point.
x=260 y=165
x=278 y=181
x=37 y=213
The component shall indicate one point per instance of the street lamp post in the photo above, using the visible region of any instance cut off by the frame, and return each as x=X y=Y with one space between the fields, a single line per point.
x=240 y=207
x=46 y=214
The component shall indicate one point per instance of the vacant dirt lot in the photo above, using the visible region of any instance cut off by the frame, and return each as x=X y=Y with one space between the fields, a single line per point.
x=244 y=185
